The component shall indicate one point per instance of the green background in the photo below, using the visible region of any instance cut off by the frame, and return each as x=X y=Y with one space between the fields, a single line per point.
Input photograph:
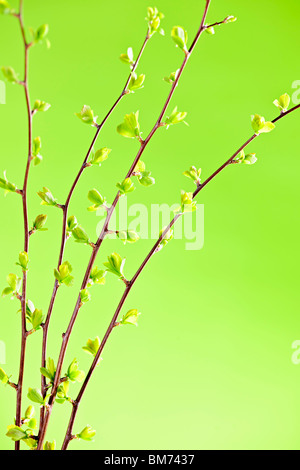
x=209 y=366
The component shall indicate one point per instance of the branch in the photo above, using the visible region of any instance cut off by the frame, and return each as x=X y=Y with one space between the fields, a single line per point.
x=105 y=231
x=26 y=228
x=76 y=403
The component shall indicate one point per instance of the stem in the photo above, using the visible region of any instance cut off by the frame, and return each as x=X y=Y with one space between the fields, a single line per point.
x=65 y=218
x=105 y=231
x=26 y=228
x=76 y=403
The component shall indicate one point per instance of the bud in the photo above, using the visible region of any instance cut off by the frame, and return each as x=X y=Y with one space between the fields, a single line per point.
x=39 y=222
x=87 y=434
x=180 y=37
x=130 y=318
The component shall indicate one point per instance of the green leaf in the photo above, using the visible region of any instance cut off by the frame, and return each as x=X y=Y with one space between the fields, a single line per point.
x=35 y=395
x=187 y=203
x=92 y=346
x=210 y=30
x=50 y=445
x=87 y=434
x=36 y=148
x=171 y=79
x=62 y=393
x=127 y=58
x=145 y=178
x=37 y=319
x=259 y=124
x=97 y=276
x=6 y=185
x=23 y=260
x=115 y=264
x=126 y=186
x=32 y=423
x=63 y=274
x=180 y=37
x=167 y=238
x=130 y=318
x=41 y=106
x=80 y=235
x=249 y=159
x=41 y=33
x=86 y=115
x=16 y=433
x=9 y=74
x=193 y=174
x=74 y=374
x=230 y=19
x=3 y=377
x=154 y=18
x=29 y=413
x=283 y=102
x=85 y=296
x=128 y=236
x=130 y=127
x=95 y=197
x=47 y=197
x=49 y=371
x=39 y=222
x=175 y=117
x=100 y=156
x=136 y=82
x=71 y=224
x=14 y=283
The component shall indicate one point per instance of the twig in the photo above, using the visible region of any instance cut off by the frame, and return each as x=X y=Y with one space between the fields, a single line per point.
x=105 y=230
x=76 y=403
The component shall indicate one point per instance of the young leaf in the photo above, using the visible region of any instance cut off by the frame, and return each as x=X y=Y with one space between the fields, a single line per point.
x=259 y=124
x=100 y=156
x=136 y=82
x=115 y=265
x=6 y=185
x=193 y=174
x=74 y=374
x=14 y=283
x=80 y=235
x=71 y=224
x=92 y=346
x=36 y=396
x=167 y=238
x=49 y=445
x=249 y=159
x=10 y=74
x=187 y=203
x=175 y=117
x=97 y=276
x=130 y=318
x=16 y=433
x=86 y=115
x=36 y=148
x=171 y=79
x=62 y=393
x=230 y=19
x=3 y=377
x=49 y=371
x=85 y=296
x=23 y=260
x=63 y=274
x=154 y=18
x=210 y=30
x=47 y=197
x=95 y=197
x=29 y=413
x=128 y=236
x=41 y=106
x=128 y=58
x=130 y=127
x=180 y=37
x=36 y=319
x=87 y=434
x=283 y=103
x=41 y=33
x=126 y=186
x=39 y=222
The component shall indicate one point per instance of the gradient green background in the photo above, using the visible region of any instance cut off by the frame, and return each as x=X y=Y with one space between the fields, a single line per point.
x=209 y=366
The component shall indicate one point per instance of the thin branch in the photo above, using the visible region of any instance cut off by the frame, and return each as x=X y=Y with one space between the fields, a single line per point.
x=105 y=230
x=76 y=403
x=65 y=208
x=26 y=227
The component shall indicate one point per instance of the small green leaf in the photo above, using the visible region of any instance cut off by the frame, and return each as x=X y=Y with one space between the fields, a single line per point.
x=136 y=82
x=171 y=79
x=6 y=185
x=71 y=224
x=3 y=377
x=23 y=260
x=74 y=374
x=37 y=319
x=39 y=222
x=128 y=236
x=49 y=445
x=85 y=296
x=175 y=117
x=130 y=127
x=49 y=371
x=115 y=264
x=249 y=159
x=86 y=115
x=95 y=197
x=167 y=238
x=63 y=274
x=16 y=433
x=36 y=148
x=41 y=33
x=259 y=124
x=97 y=276
x=29 y=413
x=87 y=434
x=283 y=102
x=230 y=19
x=180 y=37
x=187 y=203
x=130 y=318
x=193 y=174
x=41 y=106
x=9 y=74
x=154 y=18
x=127 y=58
x=62 y=393
x=126 y=186
x=100 y=156
x=210 y=30
x=80 y=235
x=47 y=197
x=35 y=395
x=92 y=346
